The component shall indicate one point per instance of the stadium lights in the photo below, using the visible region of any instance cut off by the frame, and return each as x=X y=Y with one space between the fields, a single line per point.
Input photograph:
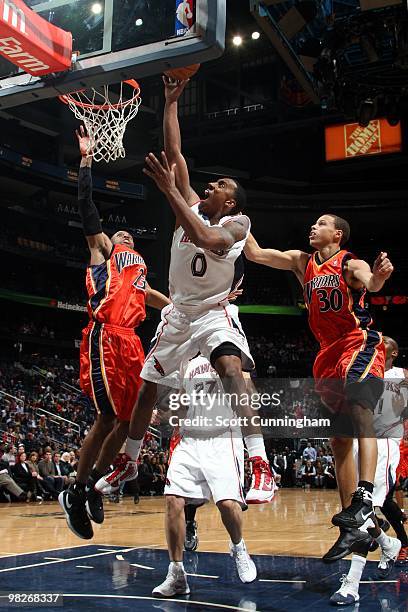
x=237 y=41
x=255 y=35
x=96 y=8
x=139 y=22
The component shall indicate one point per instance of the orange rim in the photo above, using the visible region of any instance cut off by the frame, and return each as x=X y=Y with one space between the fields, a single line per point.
x=67 y=98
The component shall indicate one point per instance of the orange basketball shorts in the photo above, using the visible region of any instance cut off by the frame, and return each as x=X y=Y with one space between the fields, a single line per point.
x=111 y=359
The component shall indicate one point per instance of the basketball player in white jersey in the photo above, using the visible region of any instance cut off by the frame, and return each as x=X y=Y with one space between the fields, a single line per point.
x=389 y=428
x=205 y=266
x=207 y=462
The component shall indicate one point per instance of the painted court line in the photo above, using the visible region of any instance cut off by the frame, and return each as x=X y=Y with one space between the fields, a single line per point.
x=142 y=566
x=36 y=552
x=296 y=581
x=179 y=601
x=52 y=558
x=13 y=569
x=202 y=576
x=85 y=566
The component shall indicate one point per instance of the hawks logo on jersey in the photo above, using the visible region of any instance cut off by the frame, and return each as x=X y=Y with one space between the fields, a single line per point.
x=334 y=308
x=117 y=288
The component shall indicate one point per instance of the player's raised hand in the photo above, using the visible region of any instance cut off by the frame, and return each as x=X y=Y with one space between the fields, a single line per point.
x=84 y=141
x=383 y=267
x=173 y=89
x=162 y=173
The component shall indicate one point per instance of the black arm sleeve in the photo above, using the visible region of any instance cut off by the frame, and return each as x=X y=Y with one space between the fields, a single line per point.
x=88 y=212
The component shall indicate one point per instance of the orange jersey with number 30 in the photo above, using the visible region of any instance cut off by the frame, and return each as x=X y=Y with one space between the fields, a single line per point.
x=334 y=308
x=117 y=288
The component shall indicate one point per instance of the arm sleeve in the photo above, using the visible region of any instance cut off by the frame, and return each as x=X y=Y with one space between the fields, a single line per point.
x=88 y=212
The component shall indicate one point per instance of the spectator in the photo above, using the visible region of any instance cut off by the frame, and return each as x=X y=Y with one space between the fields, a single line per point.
x=23 y=477
x=10 y=455
x=309 y=453
x=308 y=472
x=330 y=476
x=319 y=474
x=7 y=483
x=46 y=470
x=62 y=478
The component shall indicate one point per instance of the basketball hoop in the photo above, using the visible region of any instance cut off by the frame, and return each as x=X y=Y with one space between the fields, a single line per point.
x=105 y=121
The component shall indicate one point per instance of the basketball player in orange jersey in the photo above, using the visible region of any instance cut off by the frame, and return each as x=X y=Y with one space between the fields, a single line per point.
x=111 y=354
x=206 y=264
x=349 y=368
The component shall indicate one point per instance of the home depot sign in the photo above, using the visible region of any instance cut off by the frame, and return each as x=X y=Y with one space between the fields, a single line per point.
x=31 y=42
x=353 y=140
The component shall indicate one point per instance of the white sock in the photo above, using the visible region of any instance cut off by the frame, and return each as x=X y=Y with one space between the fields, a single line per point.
x=133 y=447
x=256 y=447
x=240 y=544
x=176 y=566
x=383 y=540
x=356 y=569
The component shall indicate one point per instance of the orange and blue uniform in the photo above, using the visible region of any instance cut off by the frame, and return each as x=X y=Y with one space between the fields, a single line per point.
x=350 y=352
x=111 y=354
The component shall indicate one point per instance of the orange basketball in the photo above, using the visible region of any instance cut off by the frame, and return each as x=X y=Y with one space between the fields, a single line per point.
x=181 y=74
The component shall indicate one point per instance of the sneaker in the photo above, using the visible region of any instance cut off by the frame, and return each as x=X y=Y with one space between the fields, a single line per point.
x=385 y=526
x=94 y=503
x=388 y=558
x=359 y=515
x=245 y=566
x=402 y=558
x=349 y=540
x=125 y=470
x=191 y=539
x=263 y=485
x=175 y=584
x=347 y=593
x=73 y=504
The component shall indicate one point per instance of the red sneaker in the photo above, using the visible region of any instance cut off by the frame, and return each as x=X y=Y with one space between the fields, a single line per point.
x=402 y=558
x=263 y=485
x=126 y=469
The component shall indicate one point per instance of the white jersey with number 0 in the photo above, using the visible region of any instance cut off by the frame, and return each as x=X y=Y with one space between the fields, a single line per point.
x=198 y=277
x=388 y=422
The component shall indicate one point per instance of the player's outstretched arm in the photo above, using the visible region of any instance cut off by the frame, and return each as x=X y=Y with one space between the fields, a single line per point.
x=281 y=260
x=211 y=238
x=172 y=138
x=155 y=299
x=98 y=242
x=373 y=280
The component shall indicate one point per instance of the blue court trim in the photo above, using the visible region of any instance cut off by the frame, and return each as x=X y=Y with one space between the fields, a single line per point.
x=122 y=578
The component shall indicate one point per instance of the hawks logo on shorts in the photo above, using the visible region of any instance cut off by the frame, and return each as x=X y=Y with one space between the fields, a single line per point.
x=334 y=308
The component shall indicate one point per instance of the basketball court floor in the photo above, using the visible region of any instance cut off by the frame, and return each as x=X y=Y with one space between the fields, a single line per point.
x=127 y=558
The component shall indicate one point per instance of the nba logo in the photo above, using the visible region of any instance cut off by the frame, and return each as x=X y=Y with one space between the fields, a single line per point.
x=184 y=16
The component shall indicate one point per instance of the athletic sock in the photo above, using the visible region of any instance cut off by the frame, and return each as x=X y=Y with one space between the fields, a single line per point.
x=368 y=486
x=240 y=544
x=356 y=569
x=383 y=540
x=133 y=448
x=176 y=566
x=256 y=447
x=190 y=512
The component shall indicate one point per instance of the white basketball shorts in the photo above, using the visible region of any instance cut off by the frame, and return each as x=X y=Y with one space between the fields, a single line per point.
x=387 y=463
x=181 y=336
x=205 y=468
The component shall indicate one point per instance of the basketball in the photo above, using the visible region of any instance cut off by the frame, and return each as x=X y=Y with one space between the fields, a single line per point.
x=181 y=74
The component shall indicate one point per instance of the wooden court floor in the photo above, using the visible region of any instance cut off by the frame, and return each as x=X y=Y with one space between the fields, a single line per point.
x=296 y=523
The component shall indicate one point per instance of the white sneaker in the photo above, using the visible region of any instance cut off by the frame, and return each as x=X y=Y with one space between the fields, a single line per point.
x=347 y=593
x=175 y=584
x=125 y=470
x=245 y=566
x=389 y=555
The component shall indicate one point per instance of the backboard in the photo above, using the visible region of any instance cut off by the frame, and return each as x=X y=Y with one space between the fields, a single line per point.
x=119 y=40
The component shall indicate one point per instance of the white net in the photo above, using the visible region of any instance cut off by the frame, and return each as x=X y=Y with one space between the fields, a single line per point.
x=105 y=120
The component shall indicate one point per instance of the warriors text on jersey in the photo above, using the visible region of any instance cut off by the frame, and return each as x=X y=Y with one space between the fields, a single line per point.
x=117 y=288
x=335 y=309
x=388 y=414
x=198 y=277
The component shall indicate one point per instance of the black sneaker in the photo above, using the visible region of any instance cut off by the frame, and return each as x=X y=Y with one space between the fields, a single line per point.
x=349 y=540
x=191 y=540
x=73 y=504
x=136 y=499
x=359 y=514
x=94 y=503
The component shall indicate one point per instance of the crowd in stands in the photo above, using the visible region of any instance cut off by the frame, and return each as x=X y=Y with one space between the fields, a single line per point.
x=314 y=467
x=284 y=354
